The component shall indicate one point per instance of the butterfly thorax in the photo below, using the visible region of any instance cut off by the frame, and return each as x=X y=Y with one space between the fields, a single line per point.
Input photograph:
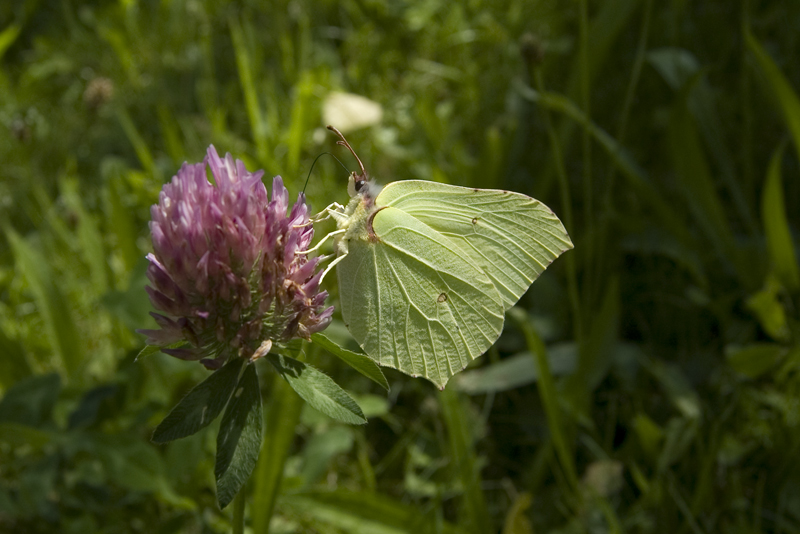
x=355 y=218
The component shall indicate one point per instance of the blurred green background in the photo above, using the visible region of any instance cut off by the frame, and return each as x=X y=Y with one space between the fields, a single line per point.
x=648 y=381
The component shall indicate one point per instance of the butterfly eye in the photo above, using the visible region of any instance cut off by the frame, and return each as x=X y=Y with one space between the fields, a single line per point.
x=359 y=185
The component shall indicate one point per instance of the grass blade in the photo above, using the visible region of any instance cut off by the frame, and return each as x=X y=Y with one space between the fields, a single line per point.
x=361 y=513
x=776 y=226
x=788 y=101
x=283 y=414
x=247 y=81
x=549 y=395
x=138 y=142
x=50 y=303
x=7 y=38
x=636 y=177
x=473 y=509
x=694 y=174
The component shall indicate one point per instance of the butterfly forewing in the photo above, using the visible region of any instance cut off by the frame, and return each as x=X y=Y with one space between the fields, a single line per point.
x=416 y=301
x=511 y=236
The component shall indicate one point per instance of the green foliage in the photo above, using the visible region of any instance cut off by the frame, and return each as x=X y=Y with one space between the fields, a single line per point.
x=318 y=390
x=201 y=405
x=358 y=361
x=647 y=383
x=239 y=438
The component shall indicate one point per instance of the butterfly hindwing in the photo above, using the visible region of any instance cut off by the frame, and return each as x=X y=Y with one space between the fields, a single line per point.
x=511 y=236
x=416 y=301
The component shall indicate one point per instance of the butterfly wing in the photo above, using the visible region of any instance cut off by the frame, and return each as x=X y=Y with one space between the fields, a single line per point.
x=511 y=236
x=414 y=300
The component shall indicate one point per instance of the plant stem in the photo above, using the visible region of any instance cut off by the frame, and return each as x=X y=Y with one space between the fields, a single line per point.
x=238 y=511
x=466 y=465
x=566 y=203
x=585 y=100
x=549 y=396
x=283 y=415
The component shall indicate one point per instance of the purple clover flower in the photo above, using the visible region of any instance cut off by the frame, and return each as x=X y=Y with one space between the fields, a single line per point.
x=227 y=268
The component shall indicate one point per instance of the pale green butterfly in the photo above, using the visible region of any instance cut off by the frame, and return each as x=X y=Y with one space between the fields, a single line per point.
x=427 y=270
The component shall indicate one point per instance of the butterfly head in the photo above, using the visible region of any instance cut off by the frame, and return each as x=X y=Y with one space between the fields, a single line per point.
x=359 y=184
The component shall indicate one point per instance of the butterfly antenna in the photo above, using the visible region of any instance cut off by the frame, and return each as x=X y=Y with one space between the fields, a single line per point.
x=345 y=144
x=315 y=162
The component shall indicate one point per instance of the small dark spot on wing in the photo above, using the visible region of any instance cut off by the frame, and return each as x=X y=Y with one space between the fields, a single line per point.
x=442 y=297
x=474 y=220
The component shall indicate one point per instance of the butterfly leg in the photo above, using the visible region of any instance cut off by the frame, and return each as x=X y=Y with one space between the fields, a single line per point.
x=339 y=215
x=321 y=241
x=329 y=267
x=333 y=208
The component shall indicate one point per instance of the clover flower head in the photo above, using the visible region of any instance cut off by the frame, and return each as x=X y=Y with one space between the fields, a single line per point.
x=228 y=269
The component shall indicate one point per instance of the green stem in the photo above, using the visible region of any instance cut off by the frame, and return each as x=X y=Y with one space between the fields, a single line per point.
x=549 y=395
x=465 y=462
x=283 y=415
x=588 y=186
x=566 y=206
x=238 y=511
x=630 y=94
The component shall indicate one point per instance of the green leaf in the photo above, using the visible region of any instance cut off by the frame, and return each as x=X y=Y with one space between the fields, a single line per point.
x=754 y=360
x=292 y=349
x=318 y=389
x=767 y=306
x=7 y=37
x=201 y=405
x=152 y=349
x=239 y=438
x=360 y=362
x=147 y=351
x=517 y=521
x=776 y=226
x=516 y=371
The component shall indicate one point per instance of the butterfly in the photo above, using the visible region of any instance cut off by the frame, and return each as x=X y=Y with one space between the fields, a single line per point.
x=427 y=270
